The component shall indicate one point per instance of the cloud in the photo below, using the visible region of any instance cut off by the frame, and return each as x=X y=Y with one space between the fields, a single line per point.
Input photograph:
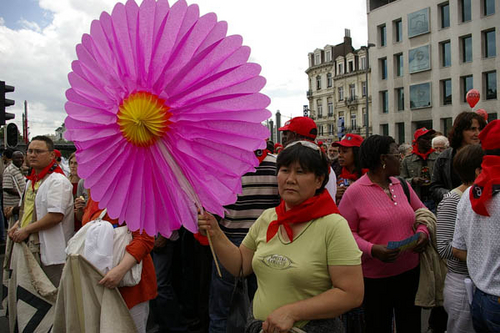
x=37 y=58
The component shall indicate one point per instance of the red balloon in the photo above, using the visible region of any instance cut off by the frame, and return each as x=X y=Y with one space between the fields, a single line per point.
x=482 y=113
x=472 y=97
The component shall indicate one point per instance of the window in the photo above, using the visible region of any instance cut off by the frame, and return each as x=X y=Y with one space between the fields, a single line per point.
x=446 y=54
x=446 y=90
x=384 y=97
x=466 y=85
x=383 y=68
x=363 y=88
x=328 y=55
x=492 y=116
x=401 y=132
x=351 y=66
x=465 y=10
x=420 y=95
x=352 y=91
x=330 y=107
x=384 y=129
x=400 y=98
x=447 y=125
x=398 y=31
x=418 y=22
x=398 y=60
x=320 y=108
x=320 y=130
x=353 y=122
x=382 y=35
x=363 y=63
x=318 y=82
x=489 y=7
x=419 y=59
x=341 y=69
x=490 y=79
x=445 y=15
x=317 y=59
x=466 y=48
x=330 y=129
x=329 y=80
x=490 y=49
x=341 y=93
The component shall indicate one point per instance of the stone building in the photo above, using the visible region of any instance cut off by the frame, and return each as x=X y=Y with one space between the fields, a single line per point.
x=337 y=89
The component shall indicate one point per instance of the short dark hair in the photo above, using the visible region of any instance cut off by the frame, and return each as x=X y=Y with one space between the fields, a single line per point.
x=8 y=153
x=462 y=123
x=270 y=146
x=47 y=140
x=309 y=159
x=466 y=161
x=371 y=149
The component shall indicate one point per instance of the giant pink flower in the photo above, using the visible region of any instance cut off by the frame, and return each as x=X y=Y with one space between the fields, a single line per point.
x=165 y=112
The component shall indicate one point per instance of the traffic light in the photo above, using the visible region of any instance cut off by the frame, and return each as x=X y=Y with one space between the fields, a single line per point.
x=4 y=102
x=12 y=135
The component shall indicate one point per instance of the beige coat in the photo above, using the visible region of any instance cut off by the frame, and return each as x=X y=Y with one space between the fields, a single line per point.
x=432 y=268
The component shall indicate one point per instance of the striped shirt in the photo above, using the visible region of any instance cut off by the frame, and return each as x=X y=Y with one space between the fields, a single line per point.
x=259 y=192
x=13 y=179
x=446 y=218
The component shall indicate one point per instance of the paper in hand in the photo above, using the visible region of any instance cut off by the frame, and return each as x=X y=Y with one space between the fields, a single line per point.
x=405 y=243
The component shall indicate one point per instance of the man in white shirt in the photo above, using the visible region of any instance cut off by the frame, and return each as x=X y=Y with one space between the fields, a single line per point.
x=47 y=208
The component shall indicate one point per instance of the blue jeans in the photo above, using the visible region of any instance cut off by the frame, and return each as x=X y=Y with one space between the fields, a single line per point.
x=221 y=289
x=485 y=310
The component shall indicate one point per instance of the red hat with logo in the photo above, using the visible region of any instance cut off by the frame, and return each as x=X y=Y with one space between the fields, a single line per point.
x=304 y=126
x=490 y=136
x=349 y=140
x=422 y=131
x=57 y=153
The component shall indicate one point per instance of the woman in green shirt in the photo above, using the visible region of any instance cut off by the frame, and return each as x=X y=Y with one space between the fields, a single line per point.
x=307 y=264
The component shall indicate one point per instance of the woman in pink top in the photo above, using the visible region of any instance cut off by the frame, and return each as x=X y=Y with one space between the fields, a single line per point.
x=378 y=211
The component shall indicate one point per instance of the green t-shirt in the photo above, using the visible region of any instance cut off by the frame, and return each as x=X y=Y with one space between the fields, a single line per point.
x=289 y=272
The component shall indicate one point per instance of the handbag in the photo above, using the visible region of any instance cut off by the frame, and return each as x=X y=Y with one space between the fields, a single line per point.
x=121 y=238
x=240 y=304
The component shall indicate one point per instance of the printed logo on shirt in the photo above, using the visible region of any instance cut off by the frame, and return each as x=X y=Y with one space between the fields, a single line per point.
x=277 y=261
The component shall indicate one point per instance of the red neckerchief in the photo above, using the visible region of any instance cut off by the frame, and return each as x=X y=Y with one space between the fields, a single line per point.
x=313 y=208
x=262 y=155
x=483 y=187
x=345 y=174
x=52 y=167
x=424 y=155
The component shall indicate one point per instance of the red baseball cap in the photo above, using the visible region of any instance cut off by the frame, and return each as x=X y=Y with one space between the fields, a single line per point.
x=349 y=140
x=304 y=126
x=422 y=131
x=57 y=153
x=490 y=135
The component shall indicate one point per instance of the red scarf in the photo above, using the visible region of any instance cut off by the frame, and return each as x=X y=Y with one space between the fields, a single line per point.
x=52 y=167
x=313 y=208
x=345 y=174
x=486 y=183
x=424 y=155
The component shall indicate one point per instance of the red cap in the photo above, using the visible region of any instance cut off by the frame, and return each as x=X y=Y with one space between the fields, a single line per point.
x=422 y=131
x=349 y=140
x=304 y=126
x=57 y=153
x=320 y=143
x=490 y=136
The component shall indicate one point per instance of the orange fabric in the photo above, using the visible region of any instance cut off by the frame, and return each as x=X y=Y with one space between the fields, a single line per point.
x=139 y=248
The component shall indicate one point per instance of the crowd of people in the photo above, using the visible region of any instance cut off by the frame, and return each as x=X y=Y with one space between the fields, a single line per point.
x=353 y=236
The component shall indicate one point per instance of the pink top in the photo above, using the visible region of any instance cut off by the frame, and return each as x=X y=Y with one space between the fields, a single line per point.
x=376 y=219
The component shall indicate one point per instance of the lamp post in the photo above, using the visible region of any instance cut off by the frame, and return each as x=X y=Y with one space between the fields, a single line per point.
x=367 y=66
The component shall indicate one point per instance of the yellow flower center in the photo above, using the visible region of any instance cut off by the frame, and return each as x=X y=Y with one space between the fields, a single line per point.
x=143 y=118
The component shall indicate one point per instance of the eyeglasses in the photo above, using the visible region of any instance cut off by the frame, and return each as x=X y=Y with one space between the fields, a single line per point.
x=304 y=143
x=36 y=151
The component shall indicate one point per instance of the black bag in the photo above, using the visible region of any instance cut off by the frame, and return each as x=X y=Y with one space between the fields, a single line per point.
x=240 y=304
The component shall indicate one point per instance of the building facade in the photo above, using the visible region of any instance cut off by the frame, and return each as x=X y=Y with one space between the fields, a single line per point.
x=337 y=90
x=428 y=54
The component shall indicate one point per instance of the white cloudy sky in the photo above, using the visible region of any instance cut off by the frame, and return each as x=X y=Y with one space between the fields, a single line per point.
x=38 y=39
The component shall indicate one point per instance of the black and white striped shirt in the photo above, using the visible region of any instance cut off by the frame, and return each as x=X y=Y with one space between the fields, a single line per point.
x=446 y=218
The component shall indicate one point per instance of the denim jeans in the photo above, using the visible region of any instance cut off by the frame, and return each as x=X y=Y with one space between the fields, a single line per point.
x=221 y=289
x=485 y=311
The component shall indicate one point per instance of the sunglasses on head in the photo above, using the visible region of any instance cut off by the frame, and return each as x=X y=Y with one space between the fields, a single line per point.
x=304 y=143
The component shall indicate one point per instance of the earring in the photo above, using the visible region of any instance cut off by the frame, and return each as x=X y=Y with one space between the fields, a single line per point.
x=383 y=166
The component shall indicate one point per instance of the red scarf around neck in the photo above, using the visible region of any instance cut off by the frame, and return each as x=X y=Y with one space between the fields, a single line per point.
x=52 y=167
x=345 y=174
x=313 y=208
x=424 y=155
x=482 y=190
